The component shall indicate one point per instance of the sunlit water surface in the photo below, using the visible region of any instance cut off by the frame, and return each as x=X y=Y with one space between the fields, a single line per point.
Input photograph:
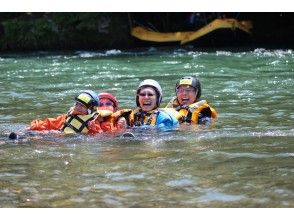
x=246 y=159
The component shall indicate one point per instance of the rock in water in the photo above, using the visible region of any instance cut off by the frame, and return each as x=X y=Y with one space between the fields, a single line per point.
x=128 y=135
x=13 y=136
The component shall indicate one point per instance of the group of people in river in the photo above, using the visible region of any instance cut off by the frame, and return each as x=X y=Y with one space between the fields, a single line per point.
x=97 y=113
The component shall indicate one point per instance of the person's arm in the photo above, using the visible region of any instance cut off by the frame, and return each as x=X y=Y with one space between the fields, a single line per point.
x=48 y=123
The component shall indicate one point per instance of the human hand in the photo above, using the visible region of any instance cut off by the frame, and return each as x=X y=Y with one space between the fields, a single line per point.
x=121 y=123
x=92 y=125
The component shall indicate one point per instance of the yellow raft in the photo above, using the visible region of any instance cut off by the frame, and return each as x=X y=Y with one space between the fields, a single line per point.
x=187 y=36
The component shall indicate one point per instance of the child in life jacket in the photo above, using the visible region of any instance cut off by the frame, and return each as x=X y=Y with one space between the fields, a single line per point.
x=82 y=117
x=148 y=114
x=105 y=115
x=186 y=105
x=84 y=99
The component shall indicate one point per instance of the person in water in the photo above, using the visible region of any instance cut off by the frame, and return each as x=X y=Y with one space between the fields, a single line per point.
x=102 y=111
x=115 y=121
x=186 y=102
x=147 y=114
x=82 y=115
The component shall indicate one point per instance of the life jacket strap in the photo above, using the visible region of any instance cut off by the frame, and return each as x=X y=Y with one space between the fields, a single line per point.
x=141 y=117
x=151 y=116
x=84 y=123
x=188 y=117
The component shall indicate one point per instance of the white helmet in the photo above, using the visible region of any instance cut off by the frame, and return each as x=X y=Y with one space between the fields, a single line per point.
x=155 y=85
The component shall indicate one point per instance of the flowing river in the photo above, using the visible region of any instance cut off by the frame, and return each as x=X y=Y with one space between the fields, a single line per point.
x=245 y=159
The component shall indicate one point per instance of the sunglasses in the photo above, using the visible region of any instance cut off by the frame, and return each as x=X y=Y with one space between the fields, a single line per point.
x=105 y=104
x=148 y=94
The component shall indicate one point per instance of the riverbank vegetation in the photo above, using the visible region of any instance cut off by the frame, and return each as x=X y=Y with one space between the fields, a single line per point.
x=95 y=31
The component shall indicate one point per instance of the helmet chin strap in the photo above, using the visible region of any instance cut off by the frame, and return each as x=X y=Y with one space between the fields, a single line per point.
x=91 y=110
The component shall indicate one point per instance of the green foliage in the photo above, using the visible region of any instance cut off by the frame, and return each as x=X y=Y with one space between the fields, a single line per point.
x=62 y=31
x=28 y=34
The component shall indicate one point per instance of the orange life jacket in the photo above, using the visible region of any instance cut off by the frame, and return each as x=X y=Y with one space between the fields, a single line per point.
x=109 y=122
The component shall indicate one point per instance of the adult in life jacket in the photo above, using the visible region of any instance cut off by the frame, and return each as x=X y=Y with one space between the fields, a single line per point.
x=186 y=105
x=113 y=119
x=147 y=114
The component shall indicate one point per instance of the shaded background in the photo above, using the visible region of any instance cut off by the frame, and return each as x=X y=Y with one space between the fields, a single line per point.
x=94 y=31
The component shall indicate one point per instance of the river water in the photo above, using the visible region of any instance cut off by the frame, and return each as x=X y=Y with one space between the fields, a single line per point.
x=246 y=159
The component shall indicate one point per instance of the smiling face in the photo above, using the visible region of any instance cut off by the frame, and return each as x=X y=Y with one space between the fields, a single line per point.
x=186 y=95
x=106 y=104
x=147 y=99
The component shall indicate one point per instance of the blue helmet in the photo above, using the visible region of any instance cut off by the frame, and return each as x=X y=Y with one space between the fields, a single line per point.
x=88 y=97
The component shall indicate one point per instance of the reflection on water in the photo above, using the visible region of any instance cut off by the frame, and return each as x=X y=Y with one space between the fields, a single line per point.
x=244 y=160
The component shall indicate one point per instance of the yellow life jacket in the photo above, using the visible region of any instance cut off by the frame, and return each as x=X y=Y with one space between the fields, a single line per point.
x=173 y=112
x=104 y=113
x=173 y=103
x=77 y=123
x=121 y=113
x=189 y=114
x=139 y=118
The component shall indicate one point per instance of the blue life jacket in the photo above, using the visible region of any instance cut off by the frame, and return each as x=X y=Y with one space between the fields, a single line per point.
x=165 y=120
x=157 y=118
